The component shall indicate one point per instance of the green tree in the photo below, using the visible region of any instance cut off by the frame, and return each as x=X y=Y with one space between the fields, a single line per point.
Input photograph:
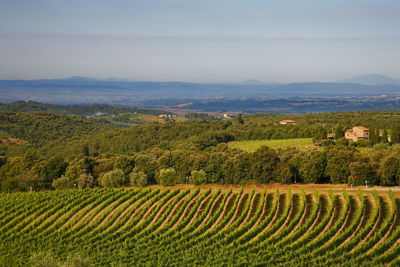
x=339 y=133
x=16 y=174
x=85 y=150
x=114 y=178
x=395 y=135
x=240 y=119
x=86 y=181
x=237 y=168
x=264 y=162
x=337 y=166
x=214 y=167
x=313 y=167
x=389 y=170
x=139 y=179
x=49 y=170
x=63 y=183
x=319 y=132
x=286 y=173
x=167 y=177
x=374 y=136
x=361 y=171
x=123 y=163
x=147 y=163
x=77 y=166
x=3 y=160
x=198 y=177
x=103 y=163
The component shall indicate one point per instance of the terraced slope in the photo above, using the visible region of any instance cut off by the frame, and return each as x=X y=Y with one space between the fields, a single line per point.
x=201 y=227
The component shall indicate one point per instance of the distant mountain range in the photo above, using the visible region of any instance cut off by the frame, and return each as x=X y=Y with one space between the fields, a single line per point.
x=253 y=81
x=371 y=79
x=77 y=90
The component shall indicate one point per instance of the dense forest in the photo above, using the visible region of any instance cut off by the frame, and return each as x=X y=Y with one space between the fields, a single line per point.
x=65 y=151
x=81 y=110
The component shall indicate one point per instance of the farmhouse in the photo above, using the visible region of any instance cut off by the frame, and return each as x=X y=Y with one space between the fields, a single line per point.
x=357 y=133
x=284 y=122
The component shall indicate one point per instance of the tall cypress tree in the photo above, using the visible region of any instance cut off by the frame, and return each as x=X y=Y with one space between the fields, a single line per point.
x=240 y=119
x=371 y=135
x=374 y=135
x=395 y=136
x=339 y=132
x=385 y=136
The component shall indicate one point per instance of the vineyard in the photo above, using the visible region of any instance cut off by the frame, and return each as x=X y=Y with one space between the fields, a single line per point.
x=212 y=227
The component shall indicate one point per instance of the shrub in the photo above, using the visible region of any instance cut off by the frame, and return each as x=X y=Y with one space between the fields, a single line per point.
x=198 y=177
x=63 y=183
x=343 y=141
x=381 y=146
x=114 y=178
x=364 y=143
x=139 y=179
x=86 y=181
x=328 y=142
x=167 y=176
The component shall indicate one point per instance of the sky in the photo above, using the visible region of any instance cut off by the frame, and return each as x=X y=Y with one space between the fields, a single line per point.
x=199 y=41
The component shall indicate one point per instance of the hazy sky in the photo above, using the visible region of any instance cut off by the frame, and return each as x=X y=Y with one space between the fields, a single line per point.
x=201 y=41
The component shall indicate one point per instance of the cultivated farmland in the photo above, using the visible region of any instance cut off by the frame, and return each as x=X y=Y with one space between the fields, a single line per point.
x=253 y=145
x=213 y=227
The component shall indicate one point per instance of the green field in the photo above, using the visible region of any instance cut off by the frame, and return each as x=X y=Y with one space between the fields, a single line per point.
x=253 y=145
x=193 y=227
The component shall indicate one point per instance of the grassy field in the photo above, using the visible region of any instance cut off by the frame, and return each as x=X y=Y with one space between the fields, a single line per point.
x=189 y=226
x=253 y=145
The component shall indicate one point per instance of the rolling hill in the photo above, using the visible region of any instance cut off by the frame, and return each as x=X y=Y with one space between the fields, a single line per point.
x=39 y=128
x=81 y=110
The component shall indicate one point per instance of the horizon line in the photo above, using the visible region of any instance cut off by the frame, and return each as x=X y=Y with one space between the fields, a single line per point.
x=261 y=82
x=187 y=37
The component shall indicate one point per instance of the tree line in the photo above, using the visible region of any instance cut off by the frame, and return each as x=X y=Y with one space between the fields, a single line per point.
x=218 y=164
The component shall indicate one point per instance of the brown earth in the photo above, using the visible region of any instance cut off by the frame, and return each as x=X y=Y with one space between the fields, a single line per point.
x=323 y=188
x=13 y=140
